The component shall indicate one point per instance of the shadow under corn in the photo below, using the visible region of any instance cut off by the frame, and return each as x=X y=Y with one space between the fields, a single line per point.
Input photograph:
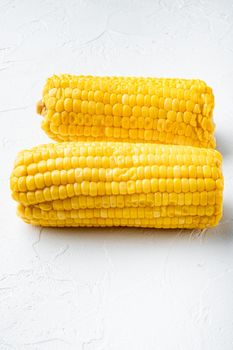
x=224 y=145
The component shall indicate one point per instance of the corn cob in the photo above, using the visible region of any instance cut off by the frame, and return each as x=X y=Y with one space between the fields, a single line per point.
x=118 y=184
x=168 y=111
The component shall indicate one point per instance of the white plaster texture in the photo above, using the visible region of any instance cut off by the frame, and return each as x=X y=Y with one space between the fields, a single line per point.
x=112 y=289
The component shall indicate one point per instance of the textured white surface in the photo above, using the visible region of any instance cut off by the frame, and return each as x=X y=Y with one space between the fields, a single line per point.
x=113 y=289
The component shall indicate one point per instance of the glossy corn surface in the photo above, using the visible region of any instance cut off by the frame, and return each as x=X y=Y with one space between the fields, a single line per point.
x=118 y=184
x=168 y=111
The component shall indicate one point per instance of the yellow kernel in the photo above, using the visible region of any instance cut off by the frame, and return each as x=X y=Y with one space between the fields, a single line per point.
x=133 y=122
x=190 y=105
x=125 y=99
x=84 y=107
x=171 y=115
x=209 y=184
x=146 y=187
x=136 y=111
x=98 y=96
x=91 y=107
x=132 y=100
x=192 y=185
x=131 y=187
x=177 y=185
x=140 y=99
x=154 y=100
x=168 y=104
x=162 y=185
x=187 y=117
x=117 y=109
x=59 y=106
x=126 y=111
x=51 y=103
x=125 y=122
x=76 y=106
x=107 y=109
x=39 y=180
x=68 y=92
x=68 y=104
x=113 y=99
x=148 y=134
x=76 y=93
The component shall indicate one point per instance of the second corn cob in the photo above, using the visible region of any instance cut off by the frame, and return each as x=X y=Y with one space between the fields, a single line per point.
x=168 y=111
x=118 y=184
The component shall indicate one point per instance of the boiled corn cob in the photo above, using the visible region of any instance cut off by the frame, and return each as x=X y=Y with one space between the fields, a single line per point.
x=168 y=111
x=118 y=184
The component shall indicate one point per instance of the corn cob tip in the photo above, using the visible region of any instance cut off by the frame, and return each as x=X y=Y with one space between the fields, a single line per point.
x=40 y=108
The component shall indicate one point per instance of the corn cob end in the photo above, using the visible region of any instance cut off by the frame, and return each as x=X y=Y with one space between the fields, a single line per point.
x=40 y=108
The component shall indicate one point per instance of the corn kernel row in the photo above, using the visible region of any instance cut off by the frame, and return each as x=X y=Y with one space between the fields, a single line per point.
x=166 y=182
x=175 y=111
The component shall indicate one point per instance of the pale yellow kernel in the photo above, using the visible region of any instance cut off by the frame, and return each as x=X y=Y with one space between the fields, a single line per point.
x=55 y=175
x=20 y=171
x=98 y=96
x=196 y=109
x=30 y=183
x=76 y=93
x=51 y=103
x=68 y=92
x=39 y=181
x=177 y=185
x=146 y=186
x=68 y=104
x=59 y=106
x=131 y=187
x=168 y=104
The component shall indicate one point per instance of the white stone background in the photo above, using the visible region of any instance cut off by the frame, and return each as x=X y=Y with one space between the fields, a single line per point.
x=112 y=289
